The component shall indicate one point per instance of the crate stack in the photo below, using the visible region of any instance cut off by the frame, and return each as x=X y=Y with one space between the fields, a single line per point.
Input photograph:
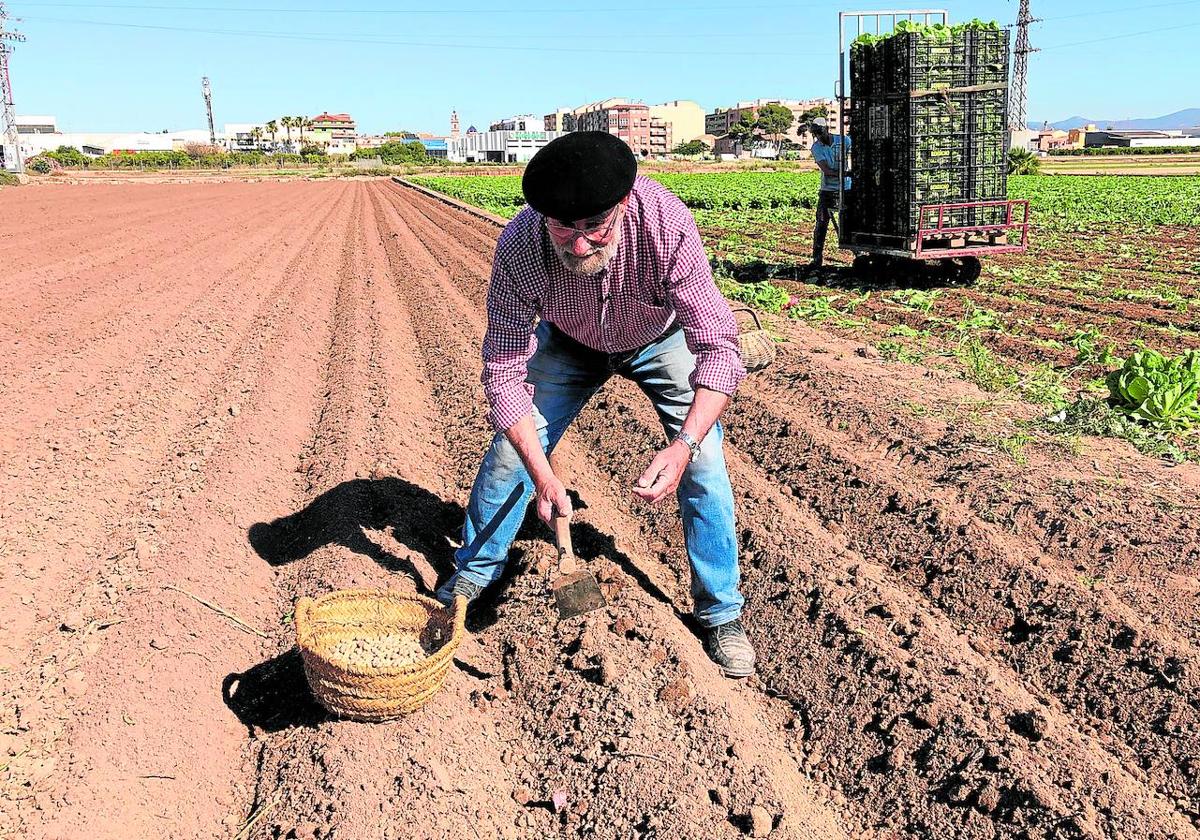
x=928 y=126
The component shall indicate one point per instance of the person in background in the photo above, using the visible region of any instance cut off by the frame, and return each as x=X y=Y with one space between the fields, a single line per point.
x=827 y=149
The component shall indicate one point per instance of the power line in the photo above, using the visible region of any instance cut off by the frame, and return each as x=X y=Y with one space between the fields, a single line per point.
x=1122 y=36
x=1124 y=10
x=322 y=38
x=420 y=12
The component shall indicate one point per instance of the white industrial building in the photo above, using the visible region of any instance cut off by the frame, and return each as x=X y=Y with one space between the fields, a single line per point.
x=497 y=146
x=37 y=134
x=1141 y=138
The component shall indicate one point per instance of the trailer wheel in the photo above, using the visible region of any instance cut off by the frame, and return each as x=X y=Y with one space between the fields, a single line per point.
x=961 y=269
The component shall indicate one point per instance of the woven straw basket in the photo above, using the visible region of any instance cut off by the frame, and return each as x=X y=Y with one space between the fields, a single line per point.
x=347 y=684
x=757 y=346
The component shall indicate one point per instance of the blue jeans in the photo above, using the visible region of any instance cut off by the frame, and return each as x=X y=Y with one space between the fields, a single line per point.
x=565 y=375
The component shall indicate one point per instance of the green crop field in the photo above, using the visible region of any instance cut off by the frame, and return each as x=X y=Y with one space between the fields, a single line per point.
x=1113 y=268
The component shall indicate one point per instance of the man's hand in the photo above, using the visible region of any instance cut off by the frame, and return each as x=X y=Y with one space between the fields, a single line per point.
x=663 y=474
x=551 y=498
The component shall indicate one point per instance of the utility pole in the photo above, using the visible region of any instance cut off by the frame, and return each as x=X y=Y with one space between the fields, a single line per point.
x=8 y=112
x=207 y=88
x=1016 y=108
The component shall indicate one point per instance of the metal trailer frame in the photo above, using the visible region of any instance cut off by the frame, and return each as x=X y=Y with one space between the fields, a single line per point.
x=874 y=23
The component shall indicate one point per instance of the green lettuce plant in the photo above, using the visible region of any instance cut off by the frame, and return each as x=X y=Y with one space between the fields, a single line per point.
x=1158 y=390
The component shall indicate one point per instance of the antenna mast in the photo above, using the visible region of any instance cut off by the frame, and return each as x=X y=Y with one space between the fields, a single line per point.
x=8 y=113
x=207 y=88
x=1016 y=107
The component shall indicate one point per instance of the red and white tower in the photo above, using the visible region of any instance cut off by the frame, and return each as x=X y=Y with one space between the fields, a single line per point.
x=10 y=142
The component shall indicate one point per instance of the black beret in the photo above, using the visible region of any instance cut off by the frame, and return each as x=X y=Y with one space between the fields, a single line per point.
x=579 y=175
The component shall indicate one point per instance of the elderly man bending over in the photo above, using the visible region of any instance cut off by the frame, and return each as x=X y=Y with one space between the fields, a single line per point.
x=604 y=273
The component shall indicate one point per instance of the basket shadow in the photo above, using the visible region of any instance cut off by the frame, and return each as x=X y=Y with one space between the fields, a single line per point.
x=273 y=695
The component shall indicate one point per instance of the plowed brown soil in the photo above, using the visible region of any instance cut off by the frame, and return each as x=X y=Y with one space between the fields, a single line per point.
x=217 y=398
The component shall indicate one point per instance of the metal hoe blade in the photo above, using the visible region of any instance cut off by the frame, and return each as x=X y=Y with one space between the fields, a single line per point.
x=577 y=593
x=576 y=590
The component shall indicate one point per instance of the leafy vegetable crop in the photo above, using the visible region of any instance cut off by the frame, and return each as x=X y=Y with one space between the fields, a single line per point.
x=1158 y=390
x=939 y=32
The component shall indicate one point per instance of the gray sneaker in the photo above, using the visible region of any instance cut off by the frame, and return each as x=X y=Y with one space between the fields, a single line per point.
x=729 y=646
x=456 y=586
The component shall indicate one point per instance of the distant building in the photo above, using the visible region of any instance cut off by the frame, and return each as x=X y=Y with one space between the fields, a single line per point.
x=557 y=120
x=719 y=121
x=334 y=126
x=37 y=125
x=1135 y=139
x=239 y=137
x=97 y=143
x=1053 y=138
x=685 y=117
x=454 y=125
x=497 y=146
x=1077 y=136
x=436 y=147
x=524 y=122
x=630 y=121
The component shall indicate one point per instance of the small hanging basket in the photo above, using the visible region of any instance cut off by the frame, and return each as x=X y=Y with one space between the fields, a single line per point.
x=757 y=346
x=373 y=654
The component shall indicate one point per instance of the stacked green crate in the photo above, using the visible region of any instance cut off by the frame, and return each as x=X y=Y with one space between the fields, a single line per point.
x=929 y=116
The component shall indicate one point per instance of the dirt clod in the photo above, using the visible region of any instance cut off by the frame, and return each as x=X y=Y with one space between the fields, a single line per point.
x=676 y=695
x=761 y=822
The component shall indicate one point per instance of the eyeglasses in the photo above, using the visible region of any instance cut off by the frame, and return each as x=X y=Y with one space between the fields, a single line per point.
x=600 y=234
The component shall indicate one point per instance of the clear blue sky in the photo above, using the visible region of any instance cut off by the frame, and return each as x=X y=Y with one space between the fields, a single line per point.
x=392 y=68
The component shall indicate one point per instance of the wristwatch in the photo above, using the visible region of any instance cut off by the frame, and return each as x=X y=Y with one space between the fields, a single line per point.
x=690 y=442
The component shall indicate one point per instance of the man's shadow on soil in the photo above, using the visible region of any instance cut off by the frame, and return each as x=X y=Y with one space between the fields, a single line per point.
x=274 y=694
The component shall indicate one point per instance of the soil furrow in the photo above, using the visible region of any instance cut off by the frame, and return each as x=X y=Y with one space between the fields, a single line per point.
x=151 y=279
x=1062 y=639
x=677 y=666
x=951 y=645
x=85 y=274
x=1097 y=690
x=117 y=427
x=182 y=527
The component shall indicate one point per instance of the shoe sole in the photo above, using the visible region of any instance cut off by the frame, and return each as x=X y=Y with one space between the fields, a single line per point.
x=737 y=674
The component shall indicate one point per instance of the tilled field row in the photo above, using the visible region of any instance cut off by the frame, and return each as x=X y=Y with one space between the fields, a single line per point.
x=937 y=656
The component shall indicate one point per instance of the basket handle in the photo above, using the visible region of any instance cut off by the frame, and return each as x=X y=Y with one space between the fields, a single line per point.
x=303 y=607
x=753 y=314
x=460 y=617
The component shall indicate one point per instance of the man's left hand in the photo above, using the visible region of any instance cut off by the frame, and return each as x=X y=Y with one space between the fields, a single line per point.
x=663 y=474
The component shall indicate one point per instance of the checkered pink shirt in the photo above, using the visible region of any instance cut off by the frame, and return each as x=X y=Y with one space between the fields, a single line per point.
x=659 y=273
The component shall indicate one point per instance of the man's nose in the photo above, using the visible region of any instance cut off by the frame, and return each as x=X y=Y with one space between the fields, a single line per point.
x=580 y=247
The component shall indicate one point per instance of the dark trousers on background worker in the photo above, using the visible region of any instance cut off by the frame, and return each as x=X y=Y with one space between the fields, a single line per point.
x=827 y=210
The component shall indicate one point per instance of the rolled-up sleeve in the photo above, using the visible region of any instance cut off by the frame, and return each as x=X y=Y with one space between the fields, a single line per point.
x=508 y=345
x=708 y=324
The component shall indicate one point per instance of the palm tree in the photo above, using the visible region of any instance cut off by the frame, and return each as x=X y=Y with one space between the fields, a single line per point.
x=256 y=134
x=287 y=123
x=273 y=129
x=303 y=123
x=1022 y=162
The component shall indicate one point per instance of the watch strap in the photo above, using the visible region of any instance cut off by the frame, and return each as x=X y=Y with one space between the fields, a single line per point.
x=691 y=443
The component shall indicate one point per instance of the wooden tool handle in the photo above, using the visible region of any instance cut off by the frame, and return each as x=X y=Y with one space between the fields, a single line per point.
x=562 y=536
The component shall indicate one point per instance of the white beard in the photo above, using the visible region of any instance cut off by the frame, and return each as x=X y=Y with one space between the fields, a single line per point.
x=593 y=263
